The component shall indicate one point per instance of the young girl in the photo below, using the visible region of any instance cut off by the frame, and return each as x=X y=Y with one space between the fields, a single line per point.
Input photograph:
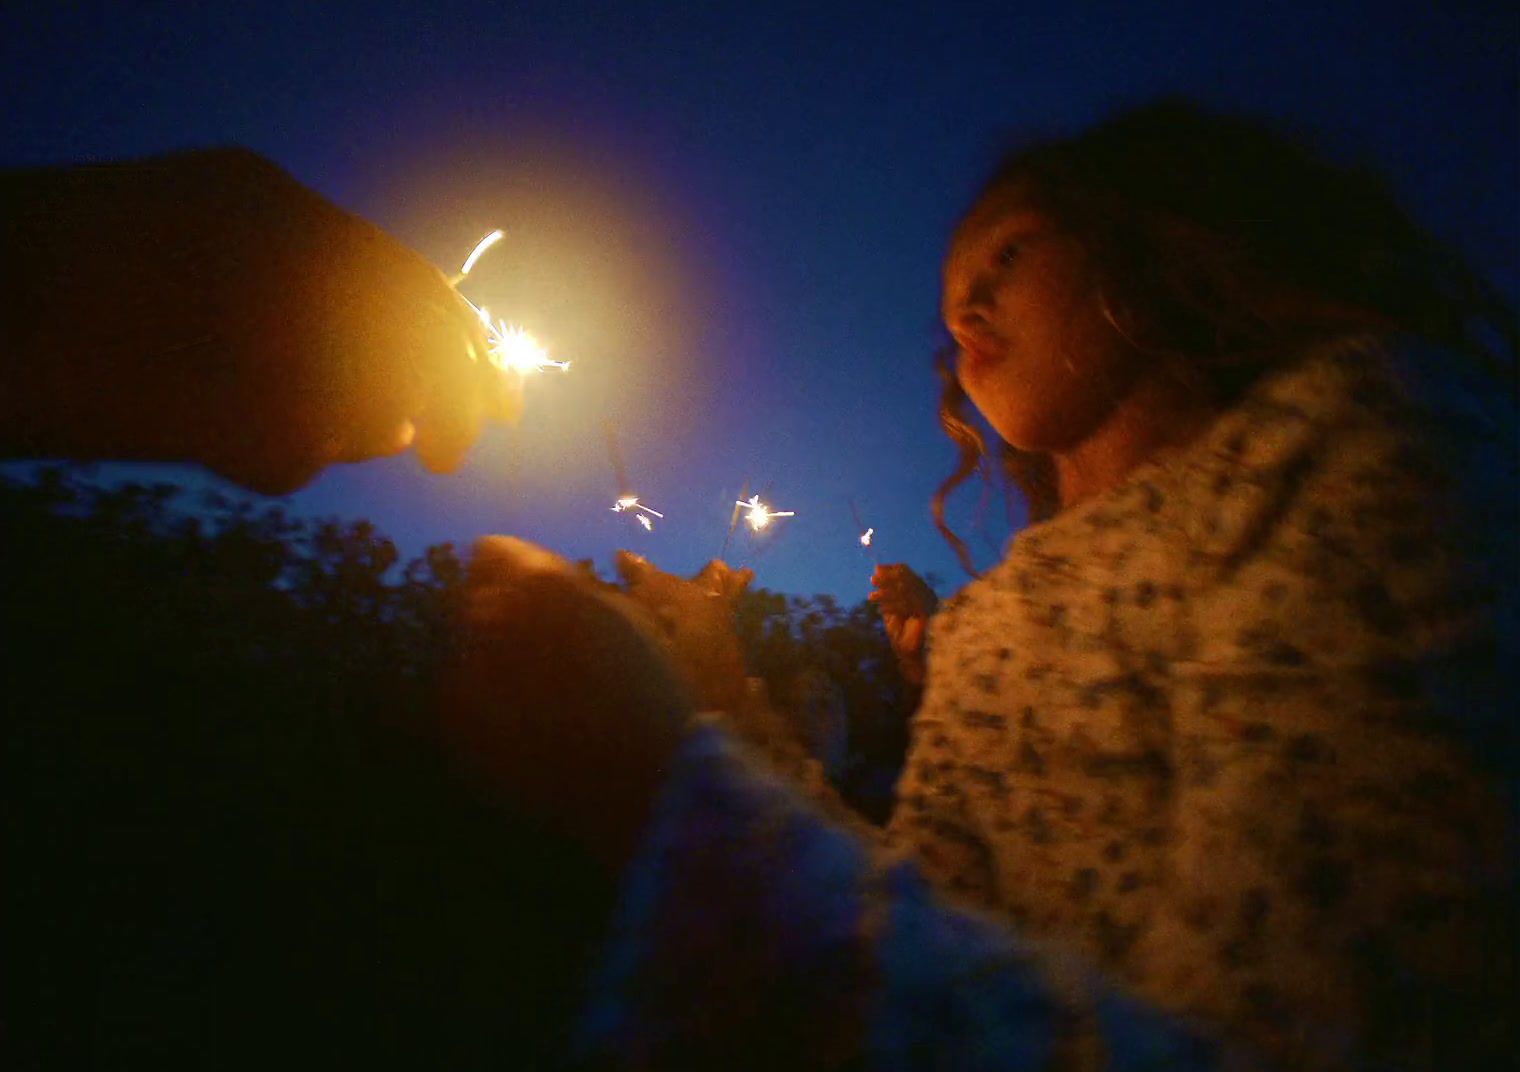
x=1217 y=722
x=1227 y=724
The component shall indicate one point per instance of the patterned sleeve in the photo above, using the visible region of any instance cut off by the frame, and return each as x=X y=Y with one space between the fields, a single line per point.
x=929 y=820
x=930 y=817
x=1333 y=855
x=754 y=933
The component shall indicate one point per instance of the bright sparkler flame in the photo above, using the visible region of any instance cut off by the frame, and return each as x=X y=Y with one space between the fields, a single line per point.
x=509 y=348
x=865 y=537
x=512 y=349
x=759 y=514
x=641 y=513
x=631 y=502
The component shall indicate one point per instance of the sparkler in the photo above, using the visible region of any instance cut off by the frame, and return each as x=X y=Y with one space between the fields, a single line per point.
x=733 y=520
x=626 y=503
x=759 y=515
x=512 y=349
x=641 y=513
x=509 y=348
x=865 y=535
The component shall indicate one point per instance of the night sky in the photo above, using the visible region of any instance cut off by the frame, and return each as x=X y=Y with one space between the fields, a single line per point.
x=731 y=221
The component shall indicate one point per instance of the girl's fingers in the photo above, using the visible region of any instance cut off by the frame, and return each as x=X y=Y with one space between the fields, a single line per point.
x=459 y=388
x=913 y=634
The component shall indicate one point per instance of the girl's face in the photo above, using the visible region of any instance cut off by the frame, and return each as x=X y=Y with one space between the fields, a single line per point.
x=1035 y=353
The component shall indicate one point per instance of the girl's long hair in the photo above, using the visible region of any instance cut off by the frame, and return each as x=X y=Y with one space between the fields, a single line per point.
x=1198 y=226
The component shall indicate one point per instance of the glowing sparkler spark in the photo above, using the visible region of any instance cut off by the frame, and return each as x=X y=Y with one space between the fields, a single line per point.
x=759 y=514
x=480 y=247
x=509 y=348
x=866 y=533
x=641 y=513
x=631 y=502
x=512 y=349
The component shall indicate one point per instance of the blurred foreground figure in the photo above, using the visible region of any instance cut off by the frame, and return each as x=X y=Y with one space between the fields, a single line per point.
x=206 y=307
x=227 y=841
x=1215 y=768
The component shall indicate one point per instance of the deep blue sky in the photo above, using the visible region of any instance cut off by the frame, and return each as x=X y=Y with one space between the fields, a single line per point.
x=731 y=221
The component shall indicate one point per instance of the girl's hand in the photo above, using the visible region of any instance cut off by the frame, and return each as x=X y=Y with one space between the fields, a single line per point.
x=906 y=603
x=206 y=307
x=560 y=704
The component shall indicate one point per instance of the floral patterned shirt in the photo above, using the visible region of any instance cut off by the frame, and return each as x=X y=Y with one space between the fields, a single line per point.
x=1231 y=738
x=1202 y=728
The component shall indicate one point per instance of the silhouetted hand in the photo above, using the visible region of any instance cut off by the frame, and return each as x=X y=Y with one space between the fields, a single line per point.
x=207 y=307
x=906 y=603
x=560 y=704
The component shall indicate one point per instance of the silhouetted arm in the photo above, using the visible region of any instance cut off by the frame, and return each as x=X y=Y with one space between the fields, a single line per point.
x=206 y=307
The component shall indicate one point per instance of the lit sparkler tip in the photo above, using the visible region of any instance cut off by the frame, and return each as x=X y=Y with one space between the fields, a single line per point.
x=508 y=347
x=643 y=513
x=480 y=247
x=760 y=515
x=512 y=349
